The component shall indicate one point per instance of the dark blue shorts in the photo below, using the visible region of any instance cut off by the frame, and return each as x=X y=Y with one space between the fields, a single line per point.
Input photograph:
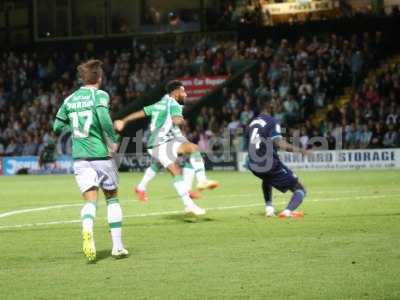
x=280 y=177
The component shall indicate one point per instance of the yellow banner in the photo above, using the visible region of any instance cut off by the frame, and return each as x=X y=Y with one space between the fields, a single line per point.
x=295 y=7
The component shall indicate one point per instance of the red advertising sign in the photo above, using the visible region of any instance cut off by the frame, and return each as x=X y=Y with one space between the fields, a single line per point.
x=197 y=87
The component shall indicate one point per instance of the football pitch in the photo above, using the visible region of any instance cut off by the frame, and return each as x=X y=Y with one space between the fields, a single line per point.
x=346 y=247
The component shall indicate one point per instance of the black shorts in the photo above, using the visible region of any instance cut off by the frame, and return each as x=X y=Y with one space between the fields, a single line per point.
x=280 y=177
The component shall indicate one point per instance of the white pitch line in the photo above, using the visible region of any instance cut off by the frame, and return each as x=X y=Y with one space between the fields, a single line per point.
x=175 y=212
x=28 y=210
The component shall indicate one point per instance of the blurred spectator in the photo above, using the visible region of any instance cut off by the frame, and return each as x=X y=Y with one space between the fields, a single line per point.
x=364 y=137
x=292 y=109
x=389 y=140
x=2 y=149
x=377 y=136
x=357 y=63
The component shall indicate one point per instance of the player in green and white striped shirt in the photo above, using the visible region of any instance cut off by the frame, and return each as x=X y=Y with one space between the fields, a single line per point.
x=166 y=142
x=86 y=114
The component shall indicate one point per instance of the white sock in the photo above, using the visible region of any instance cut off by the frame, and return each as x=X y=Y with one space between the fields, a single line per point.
x=188 y=176
x=88 y=213
x=149 y=174
x=180 y=186
x=269 y=209
x=198 y=165
x=114 y=218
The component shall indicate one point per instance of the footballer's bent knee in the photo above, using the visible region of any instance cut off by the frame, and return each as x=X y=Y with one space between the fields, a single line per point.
x=110 y=193
x=299 y=187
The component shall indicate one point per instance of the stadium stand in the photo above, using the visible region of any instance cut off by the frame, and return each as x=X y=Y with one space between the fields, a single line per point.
x=298 y=77
x=32 y=88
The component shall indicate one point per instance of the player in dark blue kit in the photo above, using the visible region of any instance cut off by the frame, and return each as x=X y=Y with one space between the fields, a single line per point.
x=264 y=139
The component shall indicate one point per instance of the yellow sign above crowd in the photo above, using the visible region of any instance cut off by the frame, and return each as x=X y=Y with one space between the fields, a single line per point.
x=296 y=7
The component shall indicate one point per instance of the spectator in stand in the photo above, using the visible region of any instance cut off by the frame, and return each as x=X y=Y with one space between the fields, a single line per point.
x=304 y=139
x=11 y=149
x=397 y=142
x=365 y=137
x=292 y=109
x=246 y=115
x=29 y=147
x=2 y=149
x=233 y=125
x=357 y=64
x=393 y=116
x=377 y=136
x=389 y=140
x=351 y=136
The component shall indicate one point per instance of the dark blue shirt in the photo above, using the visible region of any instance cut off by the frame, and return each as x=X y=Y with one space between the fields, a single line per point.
x=263 y=154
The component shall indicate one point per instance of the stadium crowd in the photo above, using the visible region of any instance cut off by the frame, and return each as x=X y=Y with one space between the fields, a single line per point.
x=301 y=78
x=297 y=77
x=32 y=86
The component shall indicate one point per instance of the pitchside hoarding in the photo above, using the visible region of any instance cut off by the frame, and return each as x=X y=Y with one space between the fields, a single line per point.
x=198 y=87
x=215 y=162
x=30 y=165
x=318 y=160
x=336 y=160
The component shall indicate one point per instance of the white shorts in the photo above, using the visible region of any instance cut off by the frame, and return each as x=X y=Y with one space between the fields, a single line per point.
x=96 y=173
x=167 y=153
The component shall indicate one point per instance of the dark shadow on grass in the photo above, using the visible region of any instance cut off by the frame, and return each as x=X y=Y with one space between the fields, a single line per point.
x=259 y=215
x=188 y=218
x=103 y=254
x=100 y=255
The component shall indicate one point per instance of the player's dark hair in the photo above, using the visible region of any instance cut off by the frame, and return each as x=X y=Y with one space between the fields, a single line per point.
x=90 y=71
x=173 y=85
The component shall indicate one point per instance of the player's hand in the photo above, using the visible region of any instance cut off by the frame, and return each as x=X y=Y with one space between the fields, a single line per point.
x=113 y=149
x=119 y=125
x=306 y=152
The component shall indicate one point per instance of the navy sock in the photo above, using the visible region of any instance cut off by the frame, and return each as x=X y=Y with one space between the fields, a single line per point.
x=296 y=200
x=267 y=191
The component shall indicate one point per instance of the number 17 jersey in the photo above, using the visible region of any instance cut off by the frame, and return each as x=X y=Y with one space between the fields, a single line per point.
x=79 y=112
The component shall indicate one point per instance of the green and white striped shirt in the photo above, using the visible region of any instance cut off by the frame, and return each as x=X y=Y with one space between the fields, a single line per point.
x=162 y=128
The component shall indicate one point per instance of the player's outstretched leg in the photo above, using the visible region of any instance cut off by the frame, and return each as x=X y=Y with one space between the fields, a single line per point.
x=198 y=165
x=197 y=162
x=297 y=198
x=267 y=191
x=114 y=218
x=183 y=192
x=148 y=175
x=88 y=214
x=190 y=206
x=188 y=176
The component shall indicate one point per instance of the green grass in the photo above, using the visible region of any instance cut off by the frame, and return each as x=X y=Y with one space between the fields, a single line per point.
x=347 y=246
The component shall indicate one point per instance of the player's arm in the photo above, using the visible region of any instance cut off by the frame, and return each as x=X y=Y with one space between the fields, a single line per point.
x=106 y=123
x=178 y=121
x=119 y=125
x=61 y=123
x=177 y=115
x=284 y=145
x=278 y=140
